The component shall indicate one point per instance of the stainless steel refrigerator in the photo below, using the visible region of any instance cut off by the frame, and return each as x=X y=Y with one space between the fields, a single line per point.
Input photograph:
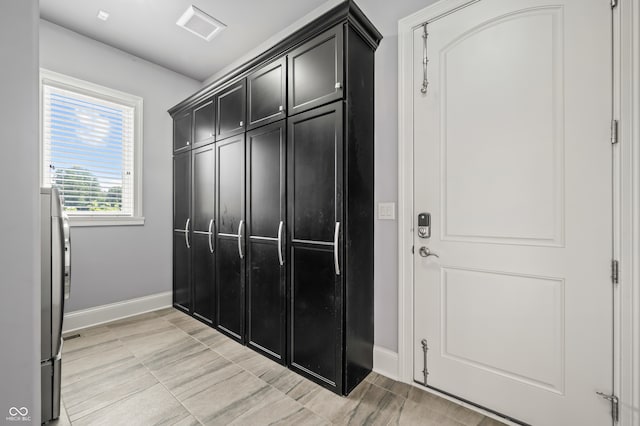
x=56 y=281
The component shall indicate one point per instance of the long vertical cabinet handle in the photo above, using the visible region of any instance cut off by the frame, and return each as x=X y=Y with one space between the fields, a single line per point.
x=336 y=259
x=240 y=239
x=280 y=243
x=210 y=243
x=186 y=233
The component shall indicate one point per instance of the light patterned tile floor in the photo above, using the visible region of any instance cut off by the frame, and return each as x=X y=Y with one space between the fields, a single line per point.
x=166 y=368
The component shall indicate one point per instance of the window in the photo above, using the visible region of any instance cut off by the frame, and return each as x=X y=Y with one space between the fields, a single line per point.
x=92 y=150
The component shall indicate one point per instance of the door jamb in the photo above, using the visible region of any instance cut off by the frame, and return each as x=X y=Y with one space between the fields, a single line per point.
x=626 y=203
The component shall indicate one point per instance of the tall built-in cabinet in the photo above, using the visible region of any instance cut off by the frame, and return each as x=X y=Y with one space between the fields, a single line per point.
x=273 y=201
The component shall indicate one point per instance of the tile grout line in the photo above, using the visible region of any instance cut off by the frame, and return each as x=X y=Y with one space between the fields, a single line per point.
x=126 y=347
x=108 y=405
x=156 y=377
x=250 y=372
x=189 y=321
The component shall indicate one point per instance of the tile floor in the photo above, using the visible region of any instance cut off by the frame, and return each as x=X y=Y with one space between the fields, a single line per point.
x=165 y=368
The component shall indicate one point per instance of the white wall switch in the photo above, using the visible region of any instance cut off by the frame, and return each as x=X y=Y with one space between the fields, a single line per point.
x=387 y=211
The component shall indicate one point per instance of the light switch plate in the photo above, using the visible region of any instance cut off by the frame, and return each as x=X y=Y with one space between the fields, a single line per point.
x=387 y=211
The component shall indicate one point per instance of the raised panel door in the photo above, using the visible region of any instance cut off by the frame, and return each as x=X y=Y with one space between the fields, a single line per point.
x=515 y=169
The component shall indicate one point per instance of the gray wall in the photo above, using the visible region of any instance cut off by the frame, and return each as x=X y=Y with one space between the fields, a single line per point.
x=385 y=16
x=19 y=215
x=112 y=264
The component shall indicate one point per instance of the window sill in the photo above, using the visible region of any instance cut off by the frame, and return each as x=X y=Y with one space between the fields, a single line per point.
x=88 y=221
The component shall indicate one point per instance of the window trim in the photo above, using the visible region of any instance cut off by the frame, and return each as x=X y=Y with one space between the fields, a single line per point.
x=83 y=87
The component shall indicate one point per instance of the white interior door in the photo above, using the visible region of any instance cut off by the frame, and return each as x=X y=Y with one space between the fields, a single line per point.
x=512 y=159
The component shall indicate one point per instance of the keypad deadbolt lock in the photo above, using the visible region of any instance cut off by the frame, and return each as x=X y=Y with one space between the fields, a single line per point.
x=424 y=225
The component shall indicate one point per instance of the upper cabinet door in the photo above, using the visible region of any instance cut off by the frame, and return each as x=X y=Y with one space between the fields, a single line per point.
x=231 y=110
x=267 y=94
x=314 y=146
x=316 y=72
x=181 y=191
x=182 y=131
x=203 y=189
x=204 y=123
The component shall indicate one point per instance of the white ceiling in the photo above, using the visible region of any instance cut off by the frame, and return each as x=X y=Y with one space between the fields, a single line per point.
x=147 y=28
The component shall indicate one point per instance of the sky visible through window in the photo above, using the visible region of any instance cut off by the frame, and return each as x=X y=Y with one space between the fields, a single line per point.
x=86 y=152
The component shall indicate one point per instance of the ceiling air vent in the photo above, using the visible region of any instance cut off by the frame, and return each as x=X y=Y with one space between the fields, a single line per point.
x=199 y=23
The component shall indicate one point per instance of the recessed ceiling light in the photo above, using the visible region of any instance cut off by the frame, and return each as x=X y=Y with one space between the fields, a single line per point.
x=103 y=15
x=199 y=23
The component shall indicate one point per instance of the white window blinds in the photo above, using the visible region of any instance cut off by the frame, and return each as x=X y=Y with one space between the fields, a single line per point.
x=88 y=150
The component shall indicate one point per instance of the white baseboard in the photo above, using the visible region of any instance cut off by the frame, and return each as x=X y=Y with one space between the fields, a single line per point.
x=114 y=311
x=385 y=362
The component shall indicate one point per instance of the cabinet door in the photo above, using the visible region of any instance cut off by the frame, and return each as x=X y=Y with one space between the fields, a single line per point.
x=182 y=131
x=315 y=159
x=230 y=247
x=231 y=110
x=181 y=190
x=203 y=277
x=316 y=72
x=266 y=90
x=266 y=228
x=182 y=271
x=203 y=227
x=204 y=123
x=182 y=231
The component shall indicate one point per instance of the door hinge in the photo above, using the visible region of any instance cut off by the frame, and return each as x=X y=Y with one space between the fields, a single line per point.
x=614 y=132
x=614 y=3
x=615 y=405
x=425 y=370
x=614 y=271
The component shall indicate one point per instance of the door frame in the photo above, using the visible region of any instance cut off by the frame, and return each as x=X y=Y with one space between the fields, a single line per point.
x=626 y=197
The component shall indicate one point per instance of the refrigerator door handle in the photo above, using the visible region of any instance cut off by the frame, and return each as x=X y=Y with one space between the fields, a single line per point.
x=67 y=256
x=57 y=281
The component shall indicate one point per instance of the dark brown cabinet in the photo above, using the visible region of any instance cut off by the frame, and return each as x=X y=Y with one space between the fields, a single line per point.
x=292 y=163
x=182 y=231
x=203 y=225
x=231 y=110
x=266 y=94
x=266 y=232
x=230 y=244
x=204 y=124
x=316 y=71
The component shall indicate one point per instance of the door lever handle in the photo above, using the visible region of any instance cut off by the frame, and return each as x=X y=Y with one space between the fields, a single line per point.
x=425 y=252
